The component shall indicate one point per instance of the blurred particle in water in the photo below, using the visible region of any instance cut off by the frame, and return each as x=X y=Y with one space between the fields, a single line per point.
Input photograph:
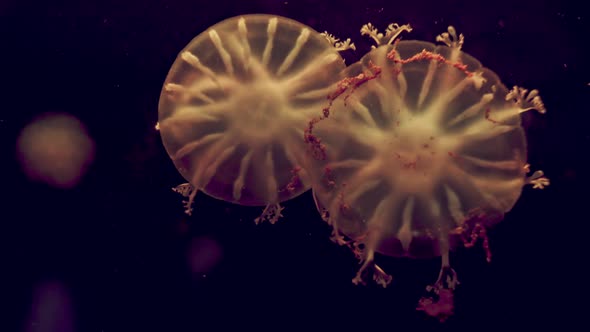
x=203 y=254
x=55 y=149
x=51 y=309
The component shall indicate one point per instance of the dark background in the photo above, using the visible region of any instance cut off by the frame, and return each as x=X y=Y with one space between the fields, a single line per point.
x=119 y=242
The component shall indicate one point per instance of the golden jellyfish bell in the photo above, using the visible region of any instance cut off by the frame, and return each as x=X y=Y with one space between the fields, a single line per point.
x=235 y=104
x=419 y=149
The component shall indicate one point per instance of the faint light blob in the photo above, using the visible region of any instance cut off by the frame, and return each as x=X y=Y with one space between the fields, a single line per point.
x=55 y=149
x=51 y=309
x=203 y=255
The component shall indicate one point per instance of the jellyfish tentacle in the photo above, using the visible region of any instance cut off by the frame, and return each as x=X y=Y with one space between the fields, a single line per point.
x=370 y=241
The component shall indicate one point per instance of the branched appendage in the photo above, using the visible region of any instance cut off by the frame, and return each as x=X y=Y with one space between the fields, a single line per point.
x=356 y=246
x=391 y=33
x=439 y=302
x=339 y=239
x=187 y=190
x=525 y=101
x=538 y=179
x=271 y=213
x=337 y=44
x=367 y=258
x=450 y=38
x=369 y=30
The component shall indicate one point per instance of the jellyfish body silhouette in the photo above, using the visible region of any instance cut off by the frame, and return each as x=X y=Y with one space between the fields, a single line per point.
x=412 y=151
x=419 y=149
x=235 y=104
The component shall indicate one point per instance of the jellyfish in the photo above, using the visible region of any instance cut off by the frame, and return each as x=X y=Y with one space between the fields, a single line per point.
x=419 y=149
x=235 y=105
